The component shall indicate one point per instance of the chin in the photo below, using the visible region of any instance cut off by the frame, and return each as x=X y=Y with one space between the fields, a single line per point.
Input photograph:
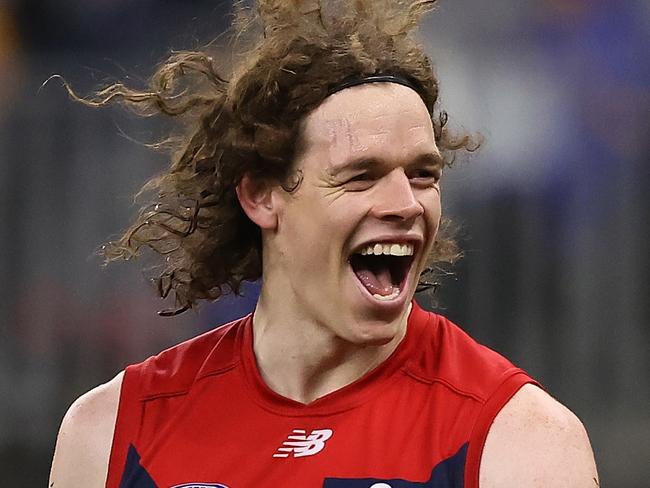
x=375 y=331
x=378 y=341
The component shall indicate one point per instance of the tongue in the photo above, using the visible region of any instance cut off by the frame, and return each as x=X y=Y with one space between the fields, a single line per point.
x=378 y=282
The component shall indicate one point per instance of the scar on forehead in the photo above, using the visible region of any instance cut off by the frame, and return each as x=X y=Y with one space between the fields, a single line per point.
x=334 y=128
x=418 y=127
x=340 y=132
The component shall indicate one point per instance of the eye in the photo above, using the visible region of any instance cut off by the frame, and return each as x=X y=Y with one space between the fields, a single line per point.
x=359 y=182
x=360 y=177
x=425 y=176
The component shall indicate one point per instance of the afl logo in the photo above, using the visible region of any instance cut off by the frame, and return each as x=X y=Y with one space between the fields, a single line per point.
x=200 y=485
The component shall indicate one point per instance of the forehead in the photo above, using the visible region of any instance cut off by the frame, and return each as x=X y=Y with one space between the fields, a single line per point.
x=384 y=120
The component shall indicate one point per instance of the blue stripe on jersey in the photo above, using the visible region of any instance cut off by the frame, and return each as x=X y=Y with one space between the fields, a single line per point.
x=135 y=476
x=447 y=474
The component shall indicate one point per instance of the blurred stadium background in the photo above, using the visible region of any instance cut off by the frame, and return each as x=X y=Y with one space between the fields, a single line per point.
x=554 y=208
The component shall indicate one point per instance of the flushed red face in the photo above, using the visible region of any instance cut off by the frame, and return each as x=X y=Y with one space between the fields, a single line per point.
x=352 y=240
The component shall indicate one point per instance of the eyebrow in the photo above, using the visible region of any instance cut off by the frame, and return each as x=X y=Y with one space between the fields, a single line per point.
x=364 y=163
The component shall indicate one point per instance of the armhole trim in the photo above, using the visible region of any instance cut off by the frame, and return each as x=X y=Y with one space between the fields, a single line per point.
x=512 y=383
x=127 y=424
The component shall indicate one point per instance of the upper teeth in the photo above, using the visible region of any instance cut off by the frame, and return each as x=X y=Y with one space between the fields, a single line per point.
x=388 y=249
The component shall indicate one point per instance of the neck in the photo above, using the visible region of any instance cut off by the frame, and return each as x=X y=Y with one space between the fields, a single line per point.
x=302 y=359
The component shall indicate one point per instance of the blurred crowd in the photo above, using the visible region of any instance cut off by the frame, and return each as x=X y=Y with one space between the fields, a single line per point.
x=553 y=209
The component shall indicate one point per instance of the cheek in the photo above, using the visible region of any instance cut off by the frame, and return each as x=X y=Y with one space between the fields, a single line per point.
x=437 y=212
x=309 y=228
x=432 y=208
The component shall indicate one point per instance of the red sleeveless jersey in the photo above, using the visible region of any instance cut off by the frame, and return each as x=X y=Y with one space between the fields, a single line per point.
x=199 y=415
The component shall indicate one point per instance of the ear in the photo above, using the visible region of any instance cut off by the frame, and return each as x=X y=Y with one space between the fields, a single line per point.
x=256 y=198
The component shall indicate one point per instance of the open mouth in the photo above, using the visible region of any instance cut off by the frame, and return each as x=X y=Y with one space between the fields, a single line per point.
x=382 y=268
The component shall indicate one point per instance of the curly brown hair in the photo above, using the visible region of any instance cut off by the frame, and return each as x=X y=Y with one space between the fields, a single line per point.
x=249 y=122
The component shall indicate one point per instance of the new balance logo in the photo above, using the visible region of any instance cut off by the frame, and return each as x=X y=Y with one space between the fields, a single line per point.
x=299 y=444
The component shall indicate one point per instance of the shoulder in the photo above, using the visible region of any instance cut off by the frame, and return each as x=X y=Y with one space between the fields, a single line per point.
x=535 y=441
x=447 y=354
x=174 y=370
x=83 y=445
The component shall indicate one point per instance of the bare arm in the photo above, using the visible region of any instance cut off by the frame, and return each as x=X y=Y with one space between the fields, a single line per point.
x=537 y=442
x=85 y=437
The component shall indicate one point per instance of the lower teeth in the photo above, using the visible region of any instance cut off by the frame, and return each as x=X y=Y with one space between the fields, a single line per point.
x=395 y=294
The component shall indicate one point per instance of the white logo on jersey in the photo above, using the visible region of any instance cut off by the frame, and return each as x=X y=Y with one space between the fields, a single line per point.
x=300 y=444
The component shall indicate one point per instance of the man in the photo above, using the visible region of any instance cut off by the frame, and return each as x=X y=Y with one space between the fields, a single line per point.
x=317 y=167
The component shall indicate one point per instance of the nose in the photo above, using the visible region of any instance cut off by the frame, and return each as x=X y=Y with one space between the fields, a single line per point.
x=395 y=199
